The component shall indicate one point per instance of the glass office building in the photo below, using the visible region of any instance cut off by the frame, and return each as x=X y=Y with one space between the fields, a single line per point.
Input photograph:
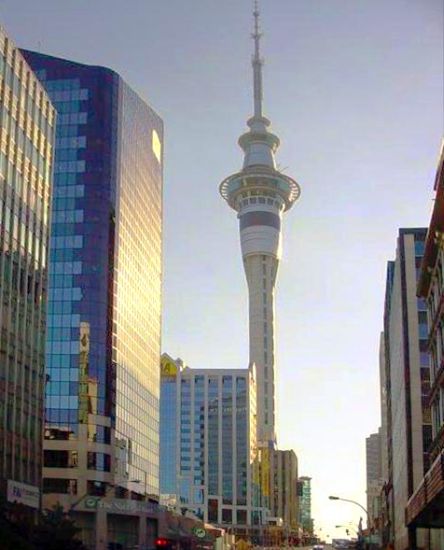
x=304 y=493
x=27 y=120
x=104 y=309
x=208 y=451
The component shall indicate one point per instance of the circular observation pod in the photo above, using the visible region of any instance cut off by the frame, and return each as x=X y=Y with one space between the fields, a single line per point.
x=267 y=182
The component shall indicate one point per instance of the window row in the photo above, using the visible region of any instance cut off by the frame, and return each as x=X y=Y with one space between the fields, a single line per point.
x=70 y=142
x=79 y=94
x=72 y=118
x=72 y=320
x=62 y=402
x=72 y=166
x=68 y=216
x=70 y=241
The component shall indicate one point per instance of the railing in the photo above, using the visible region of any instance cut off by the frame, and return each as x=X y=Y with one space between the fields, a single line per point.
x=431 y=485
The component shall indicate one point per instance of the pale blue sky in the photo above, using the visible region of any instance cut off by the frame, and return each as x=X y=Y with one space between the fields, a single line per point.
x=354 y=89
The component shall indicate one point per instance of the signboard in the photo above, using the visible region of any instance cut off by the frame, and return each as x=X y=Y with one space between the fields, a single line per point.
x=265 y=472
x=199 y=532
x=116 y=505
x=168 y=367
x=372 y=539
x=29 y=495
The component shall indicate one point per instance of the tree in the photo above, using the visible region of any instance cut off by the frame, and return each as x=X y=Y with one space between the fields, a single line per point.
x=15 y=527
x=56 y=531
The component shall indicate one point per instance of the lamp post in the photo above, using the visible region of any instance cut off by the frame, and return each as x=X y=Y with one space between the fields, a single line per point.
x=346 y=527
x=332 y=497
x=353 y=502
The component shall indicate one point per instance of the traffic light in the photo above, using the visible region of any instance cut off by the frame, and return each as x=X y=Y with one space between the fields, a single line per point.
x=161 y=543
x=348 y=532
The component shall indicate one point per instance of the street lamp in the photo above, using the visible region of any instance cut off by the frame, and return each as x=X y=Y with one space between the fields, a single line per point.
x=346 y=527
x=353 y=502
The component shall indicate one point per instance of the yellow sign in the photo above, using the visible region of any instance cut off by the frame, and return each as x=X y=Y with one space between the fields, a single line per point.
x=265 y=472
x=168 y=367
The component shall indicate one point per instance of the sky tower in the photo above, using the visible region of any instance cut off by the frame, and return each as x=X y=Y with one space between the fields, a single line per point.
x=260 y=194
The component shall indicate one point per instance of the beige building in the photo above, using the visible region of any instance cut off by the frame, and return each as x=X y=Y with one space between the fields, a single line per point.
x=284 y=501
x=27 y=133
x=374 y=472
x=407 y=383
x=383 y=404
x=426 y=506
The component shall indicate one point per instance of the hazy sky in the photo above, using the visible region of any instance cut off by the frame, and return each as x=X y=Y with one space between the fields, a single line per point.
x=354 y=89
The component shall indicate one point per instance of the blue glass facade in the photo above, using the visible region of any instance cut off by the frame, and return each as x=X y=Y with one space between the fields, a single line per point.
x=105 y=273
x=168 y=436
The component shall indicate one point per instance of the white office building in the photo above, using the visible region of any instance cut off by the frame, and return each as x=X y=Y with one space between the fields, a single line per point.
x=208 y=452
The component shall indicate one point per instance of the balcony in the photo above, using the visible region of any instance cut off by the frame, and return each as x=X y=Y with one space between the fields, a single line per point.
x=426 y=506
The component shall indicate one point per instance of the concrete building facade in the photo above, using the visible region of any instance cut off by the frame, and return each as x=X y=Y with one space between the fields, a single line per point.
x=104 y=309
x=425 y=508
x=373 y=456
x=407 y=382
x=208 y=450
x=27 y=133
x=373 y=453
x=383 y=403
x=284 y=500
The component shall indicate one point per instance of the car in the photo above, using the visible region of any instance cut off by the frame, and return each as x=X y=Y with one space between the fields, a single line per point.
x=318 y=547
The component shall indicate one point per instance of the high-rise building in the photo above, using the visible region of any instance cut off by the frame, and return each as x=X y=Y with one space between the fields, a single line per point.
x=374 y=479
x=104 y=308
x=284 y=502
x=425 y=508
x=305 y=519
x=373 y=456
x=26 y=162
x=407 y=381
x=383 y=404
x=260 y=194
x=208 y=452
x=383 y=526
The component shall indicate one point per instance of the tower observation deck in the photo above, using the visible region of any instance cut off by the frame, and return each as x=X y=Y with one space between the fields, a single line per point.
x=260 y=194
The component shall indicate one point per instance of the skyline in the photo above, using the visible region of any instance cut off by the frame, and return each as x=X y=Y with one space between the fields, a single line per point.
x=184 y=226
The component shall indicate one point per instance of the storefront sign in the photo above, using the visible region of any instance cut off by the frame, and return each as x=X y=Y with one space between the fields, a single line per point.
x=29 y=495
x=116 y=505
x=199 y=532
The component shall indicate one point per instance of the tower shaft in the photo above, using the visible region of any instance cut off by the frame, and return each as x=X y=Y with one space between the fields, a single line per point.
x=260 y=270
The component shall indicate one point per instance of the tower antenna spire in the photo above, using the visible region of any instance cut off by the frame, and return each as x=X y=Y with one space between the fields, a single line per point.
x=257 y=63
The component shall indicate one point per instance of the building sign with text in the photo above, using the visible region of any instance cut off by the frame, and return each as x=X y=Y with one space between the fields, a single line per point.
x=116 y=505
x=22 y=493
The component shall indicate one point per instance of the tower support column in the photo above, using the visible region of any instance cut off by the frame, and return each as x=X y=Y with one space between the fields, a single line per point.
x=261 y=271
